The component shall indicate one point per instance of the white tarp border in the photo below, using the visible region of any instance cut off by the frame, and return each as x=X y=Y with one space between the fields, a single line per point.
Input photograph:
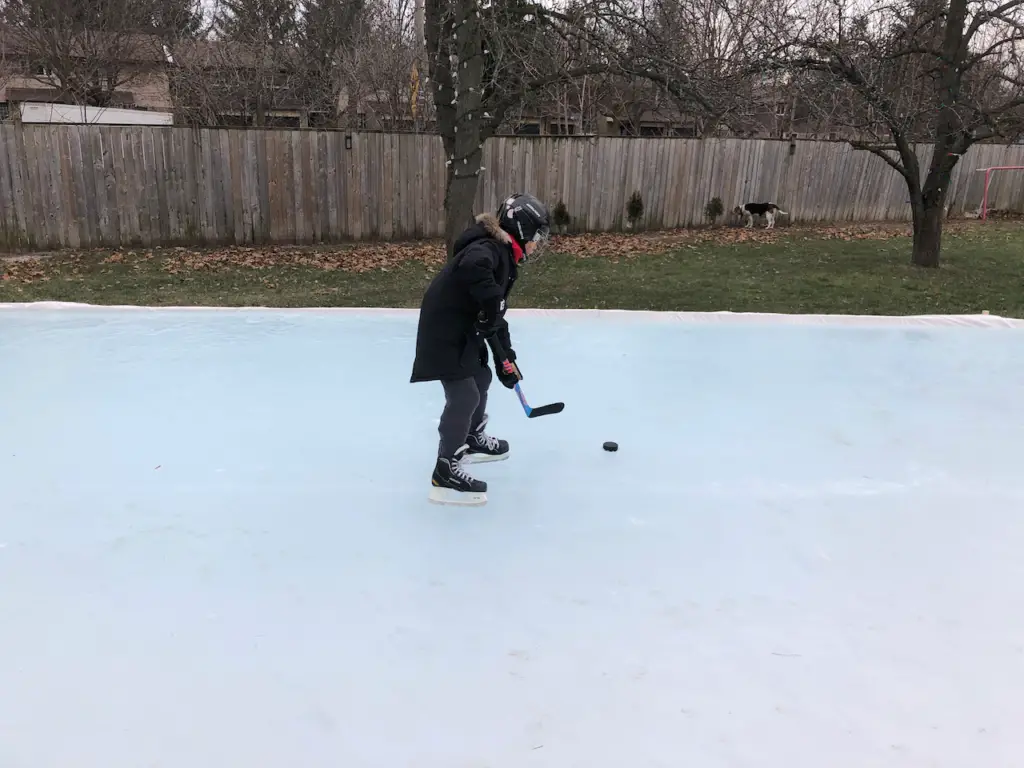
x=984 y=320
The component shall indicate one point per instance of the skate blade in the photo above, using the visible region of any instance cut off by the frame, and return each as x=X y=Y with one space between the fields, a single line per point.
x=483 y=458
x=456 y=498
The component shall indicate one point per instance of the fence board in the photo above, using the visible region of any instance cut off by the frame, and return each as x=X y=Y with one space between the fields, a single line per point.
x=13 y=160
x=237 y=208
x=69 y=200
x=49 y=193
x=10 y=239
x=424 y=203
x=71 y=185
x=136 y=170
x=42 y=184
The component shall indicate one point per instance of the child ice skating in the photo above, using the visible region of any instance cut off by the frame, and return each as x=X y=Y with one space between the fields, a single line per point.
x=462 y=309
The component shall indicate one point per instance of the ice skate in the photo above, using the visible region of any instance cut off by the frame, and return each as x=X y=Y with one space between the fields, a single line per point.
x=483 y=447
x=451 y=484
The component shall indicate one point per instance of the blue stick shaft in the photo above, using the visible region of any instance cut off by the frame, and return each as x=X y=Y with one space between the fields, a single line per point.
x=500 y=354
x=522 y=399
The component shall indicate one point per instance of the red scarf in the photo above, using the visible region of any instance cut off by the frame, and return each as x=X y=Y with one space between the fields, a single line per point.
x=517 y=252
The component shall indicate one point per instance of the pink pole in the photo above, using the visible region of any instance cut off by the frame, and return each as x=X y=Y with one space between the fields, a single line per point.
x=988 y=172
x=984 y=197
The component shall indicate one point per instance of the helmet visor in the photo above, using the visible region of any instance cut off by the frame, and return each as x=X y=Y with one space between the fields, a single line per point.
x=541 y=238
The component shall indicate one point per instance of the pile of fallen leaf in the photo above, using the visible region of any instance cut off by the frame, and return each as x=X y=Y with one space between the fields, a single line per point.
x=362 y=257
x=358 y=257
x=614 y=244
x=1002 y=213
x=23 y=271
x=383 y=256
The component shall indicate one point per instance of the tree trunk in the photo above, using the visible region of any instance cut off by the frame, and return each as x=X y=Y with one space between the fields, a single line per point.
x=928 y=216
x=462 y=128
x=459 y=196
x=456 y=65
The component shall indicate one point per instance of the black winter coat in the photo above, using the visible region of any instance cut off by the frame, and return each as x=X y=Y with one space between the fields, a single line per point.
x=483 y=267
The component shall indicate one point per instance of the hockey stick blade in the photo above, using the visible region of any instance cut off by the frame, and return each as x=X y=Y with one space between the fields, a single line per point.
x=545 y=410
x=541 y=410
x=532 y=413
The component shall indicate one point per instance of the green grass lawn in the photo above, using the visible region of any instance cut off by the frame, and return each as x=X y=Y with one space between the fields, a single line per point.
x=855 y=269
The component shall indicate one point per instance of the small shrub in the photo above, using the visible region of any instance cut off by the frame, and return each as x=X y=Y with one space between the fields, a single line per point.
x=635 y=208
x=560 y=217
x=714 y=209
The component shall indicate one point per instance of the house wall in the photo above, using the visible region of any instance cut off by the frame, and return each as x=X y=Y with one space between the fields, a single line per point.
x=150 y=85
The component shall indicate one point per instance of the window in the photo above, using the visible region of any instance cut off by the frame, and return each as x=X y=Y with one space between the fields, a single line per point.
x=47 y=75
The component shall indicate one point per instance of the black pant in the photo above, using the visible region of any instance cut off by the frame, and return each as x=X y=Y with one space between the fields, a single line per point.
x=465 y=402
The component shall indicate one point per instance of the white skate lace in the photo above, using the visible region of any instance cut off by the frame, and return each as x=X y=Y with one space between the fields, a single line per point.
x=487 y=440
x=459 y=471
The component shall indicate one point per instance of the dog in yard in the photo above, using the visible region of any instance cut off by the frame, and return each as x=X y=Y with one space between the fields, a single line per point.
x=750 y=210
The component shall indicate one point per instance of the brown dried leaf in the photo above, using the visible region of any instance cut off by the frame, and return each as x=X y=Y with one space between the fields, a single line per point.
x=355 y=258
x=25 y=271
x=610 y=244
x=385 y=256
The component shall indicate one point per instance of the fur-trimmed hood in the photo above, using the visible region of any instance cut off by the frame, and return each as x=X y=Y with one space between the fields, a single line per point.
x=493 y=228
x=486 y=228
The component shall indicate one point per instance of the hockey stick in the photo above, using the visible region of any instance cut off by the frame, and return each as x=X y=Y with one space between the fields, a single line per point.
x=532 y=413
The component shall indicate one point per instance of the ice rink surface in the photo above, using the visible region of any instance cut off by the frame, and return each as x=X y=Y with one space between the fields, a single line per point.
x=216 y=549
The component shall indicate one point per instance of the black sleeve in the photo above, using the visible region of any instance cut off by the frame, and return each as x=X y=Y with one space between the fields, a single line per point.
x=476 y=272
x=506 y=339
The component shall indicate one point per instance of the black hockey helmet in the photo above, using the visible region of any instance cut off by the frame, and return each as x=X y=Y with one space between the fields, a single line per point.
x=525 y=218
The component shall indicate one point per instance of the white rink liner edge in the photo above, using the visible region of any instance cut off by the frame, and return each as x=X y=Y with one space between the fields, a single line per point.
x=723 y=317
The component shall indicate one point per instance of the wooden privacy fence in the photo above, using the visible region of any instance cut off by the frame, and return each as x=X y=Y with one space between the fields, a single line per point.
x=73 y=185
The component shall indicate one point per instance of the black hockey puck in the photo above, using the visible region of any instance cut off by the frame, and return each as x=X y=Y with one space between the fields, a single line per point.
x=610 y=446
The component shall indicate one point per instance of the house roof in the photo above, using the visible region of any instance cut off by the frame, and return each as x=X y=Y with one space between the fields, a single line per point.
x=130 y=47
x=229 y=53
x=54 y=96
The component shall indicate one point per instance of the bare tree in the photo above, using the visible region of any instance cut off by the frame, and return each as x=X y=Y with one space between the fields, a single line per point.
x=630 y=99
x=268 y=22
x=249 y=70
x=380 y=68
x=708 y=55
x=942 y=72
x=331 y=61
x=331 y=35
x=175 y=20
x=578 y=105
x=486 y=58
x=87 y=51
x=236 y=82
